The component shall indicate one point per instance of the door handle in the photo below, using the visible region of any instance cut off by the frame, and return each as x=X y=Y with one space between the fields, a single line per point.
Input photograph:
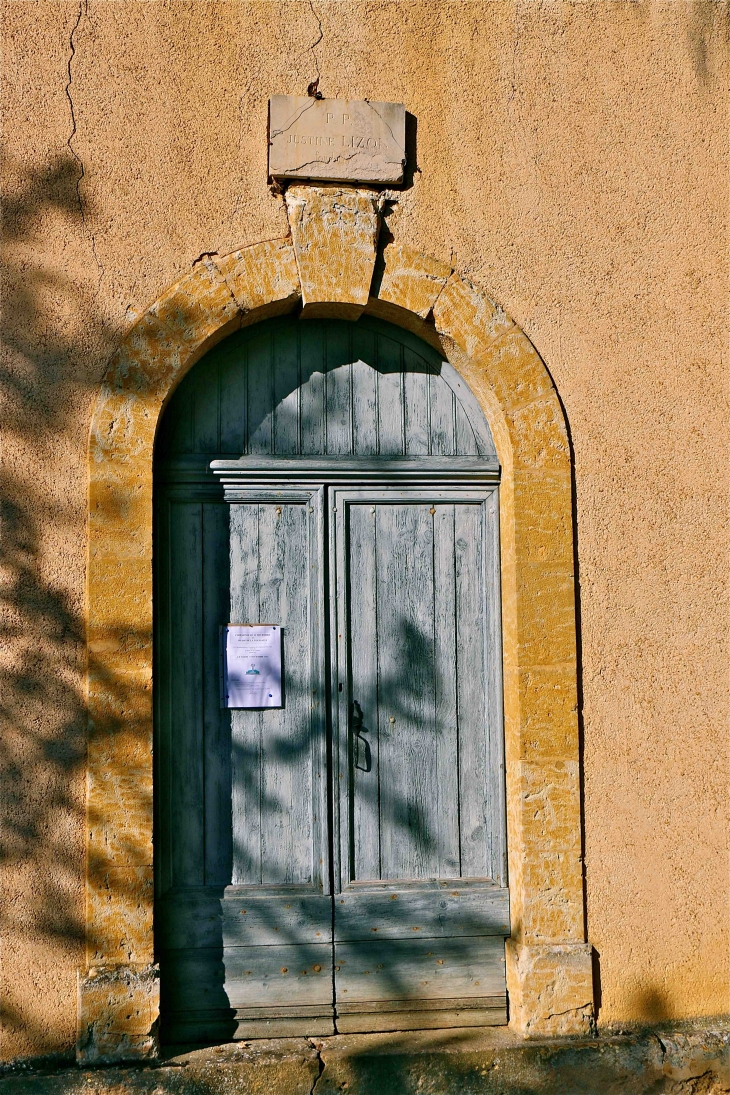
x=362 y=756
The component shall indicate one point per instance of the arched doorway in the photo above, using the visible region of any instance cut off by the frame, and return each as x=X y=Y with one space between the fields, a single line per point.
x=339 y=858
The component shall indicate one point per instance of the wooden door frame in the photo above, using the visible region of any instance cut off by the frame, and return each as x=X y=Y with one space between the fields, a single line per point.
x=326 y=266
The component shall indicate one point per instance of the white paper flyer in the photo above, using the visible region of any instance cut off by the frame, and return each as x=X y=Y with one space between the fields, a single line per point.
x=251 y=665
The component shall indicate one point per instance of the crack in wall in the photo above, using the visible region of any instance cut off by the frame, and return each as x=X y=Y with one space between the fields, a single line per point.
x=82 y=12
x=320 y=1064
x=313 y=47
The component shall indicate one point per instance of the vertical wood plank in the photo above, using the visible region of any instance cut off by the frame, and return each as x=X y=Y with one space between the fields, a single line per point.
x=260 y=393
x=496 y=817
x=364 y=393
x=417 y=427
x=245 y=725
x=390 y=397
x=442 y=418
x=473 y=774
x=286 y=822
x=312 y=398
x=233 y=396
x=186 y=692
x=339 y=395
x=408 y=791
x=445 y=676
x=176 y=430
x=466 y=443
x=364 y=753
x=206 y=406
x=286 y=391
x=217 y=721
x=162 y=694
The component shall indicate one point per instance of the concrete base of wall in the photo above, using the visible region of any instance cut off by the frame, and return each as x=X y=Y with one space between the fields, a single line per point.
x=689 y=1059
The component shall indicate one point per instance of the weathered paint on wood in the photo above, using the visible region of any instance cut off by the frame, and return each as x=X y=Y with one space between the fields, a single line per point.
x=243 y=852
x=452 y=910
x=414 y=668
x=241 y=976
x=417 y=794
x=421 y=1019
x=239 y=916
x=430 y=969
x=244 y=804
x=324 y=387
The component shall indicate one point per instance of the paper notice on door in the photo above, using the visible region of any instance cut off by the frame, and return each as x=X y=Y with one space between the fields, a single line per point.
x=251 y=665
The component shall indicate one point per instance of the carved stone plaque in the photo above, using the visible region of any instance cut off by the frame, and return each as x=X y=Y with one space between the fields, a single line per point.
x=342 y=140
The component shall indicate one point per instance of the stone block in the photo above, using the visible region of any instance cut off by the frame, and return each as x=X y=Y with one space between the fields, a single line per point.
x=515 y=370
x=118 y=1010
x=550 y=989
x=112 y=507
x=119 y=816
x=409 y=321
x=198 y=311
x=546 y=903
x=123 y=596
x=541 y=713
x=135 y=365
x=335 y=233
x=538 y=434
x=543 y=799
x=345 y=140
x=263 y=279
x=543 y=518
x=469 y=317
x=545 y=632
x=120 y=904
x=410 y=280
x=118 y=430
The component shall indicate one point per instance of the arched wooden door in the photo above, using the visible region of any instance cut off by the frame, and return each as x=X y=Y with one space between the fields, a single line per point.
x=336 y=862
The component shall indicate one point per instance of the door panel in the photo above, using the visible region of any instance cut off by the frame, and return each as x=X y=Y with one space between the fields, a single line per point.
x=421 y=867
x=272 y=791
x=244 y=915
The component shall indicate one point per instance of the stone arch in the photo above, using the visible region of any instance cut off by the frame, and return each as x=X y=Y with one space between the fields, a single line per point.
x=327 y=266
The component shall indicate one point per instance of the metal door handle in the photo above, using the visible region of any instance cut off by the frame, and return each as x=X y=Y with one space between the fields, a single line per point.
x=362 y=756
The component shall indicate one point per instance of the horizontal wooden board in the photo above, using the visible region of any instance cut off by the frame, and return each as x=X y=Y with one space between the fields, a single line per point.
x=207 y=918
x=381 y=1006
x=178 y=1031
x=426 y=913
x=247 y=977
x=402 y=969
x=367 y=1022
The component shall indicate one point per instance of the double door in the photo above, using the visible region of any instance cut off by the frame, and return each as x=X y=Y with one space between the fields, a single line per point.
x=337 y=863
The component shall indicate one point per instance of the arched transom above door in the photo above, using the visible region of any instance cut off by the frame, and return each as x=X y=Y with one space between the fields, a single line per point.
x=325 y=388
x=327 y=267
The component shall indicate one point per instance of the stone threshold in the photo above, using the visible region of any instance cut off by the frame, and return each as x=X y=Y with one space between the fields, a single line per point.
x=690 y=1058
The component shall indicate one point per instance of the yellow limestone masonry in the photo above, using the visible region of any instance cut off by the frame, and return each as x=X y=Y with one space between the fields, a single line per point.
x=328 y=264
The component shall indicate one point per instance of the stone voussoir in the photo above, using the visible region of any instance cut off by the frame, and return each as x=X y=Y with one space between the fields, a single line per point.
x=335 y=234
x=412 y=280
x=263 y=278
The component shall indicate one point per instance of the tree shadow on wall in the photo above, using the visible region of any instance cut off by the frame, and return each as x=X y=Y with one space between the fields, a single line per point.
x=54 y=348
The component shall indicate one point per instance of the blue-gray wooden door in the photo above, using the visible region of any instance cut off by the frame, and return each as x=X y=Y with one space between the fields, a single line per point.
x=319 y=867
x=244 y=917
x=420 y=908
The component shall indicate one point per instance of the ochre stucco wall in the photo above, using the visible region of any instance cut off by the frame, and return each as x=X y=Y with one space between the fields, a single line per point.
x=573 y=162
